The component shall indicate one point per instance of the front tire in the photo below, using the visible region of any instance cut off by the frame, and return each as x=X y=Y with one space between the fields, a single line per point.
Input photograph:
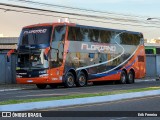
x=81 y=80
x=123 y=78
x=41 y=86
x=69 y=80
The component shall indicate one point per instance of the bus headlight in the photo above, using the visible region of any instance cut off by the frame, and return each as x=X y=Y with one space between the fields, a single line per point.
x=42 y=72
x=18 y=76
x=43 y=75
x=18 y=68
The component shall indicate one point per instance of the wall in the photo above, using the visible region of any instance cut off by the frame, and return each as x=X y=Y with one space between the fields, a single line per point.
x=7 y=69
x=152 y=66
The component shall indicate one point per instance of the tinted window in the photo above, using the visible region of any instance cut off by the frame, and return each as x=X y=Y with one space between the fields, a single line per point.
x=75 y=34
x=59 y=33
x=105 y=36
x=36 y=35
x=88 y=35
x=149 y=51
x=130 y=39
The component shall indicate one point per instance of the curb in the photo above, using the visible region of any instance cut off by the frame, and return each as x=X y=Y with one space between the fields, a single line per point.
x=76 y=101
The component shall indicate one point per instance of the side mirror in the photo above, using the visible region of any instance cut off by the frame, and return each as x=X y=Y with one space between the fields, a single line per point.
x=9 y=54
x=45 y=54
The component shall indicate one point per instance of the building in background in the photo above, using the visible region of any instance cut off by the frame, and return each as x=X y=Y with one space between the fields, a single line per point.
x=8 y=43
x=155 y=41
x=7 y=69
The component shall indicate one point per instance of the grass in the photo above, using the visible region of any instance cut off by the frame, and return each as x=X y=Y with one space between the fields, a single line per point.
x=78 y=96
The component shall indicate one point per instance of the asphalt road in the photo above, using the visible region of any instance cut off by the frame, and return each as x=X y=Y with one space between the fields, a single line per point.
x=115 y=110
x=33 y=92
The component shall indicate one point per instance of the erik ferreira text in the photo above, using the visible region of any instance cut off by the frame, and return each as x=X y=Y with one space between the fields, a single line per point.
x=147 y=115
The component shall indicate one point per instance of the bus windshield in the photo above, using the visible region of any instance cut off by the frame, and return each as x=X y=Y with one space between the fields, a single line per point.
x=37 y=37
x=33 y=59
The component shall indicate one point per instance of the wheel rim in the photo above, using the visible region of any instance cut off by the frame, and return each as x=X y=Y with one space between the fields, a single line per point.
x=130 y=77
x=70 y=81
x=82 y=80
x=123 y=78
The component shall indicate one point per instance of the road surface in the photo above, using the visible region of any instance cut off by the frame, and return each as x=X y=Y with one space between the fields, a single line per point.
x=33 y=92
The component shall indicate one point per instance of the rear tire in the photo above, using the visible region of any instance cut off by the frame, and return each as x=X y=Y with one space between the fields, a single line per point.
x=130 y=78
x=69 y=80
x=81 y=80
x=123 y=78
x=41 y=86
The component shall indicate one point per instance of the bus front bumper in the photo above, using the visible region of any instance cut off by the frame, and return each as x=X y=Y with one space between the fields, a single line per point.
x=38 y=80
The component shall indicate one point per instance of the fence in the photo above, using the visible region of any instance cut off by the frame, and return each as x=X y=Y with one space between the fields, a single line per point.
x=7 y=69
x=152 y=65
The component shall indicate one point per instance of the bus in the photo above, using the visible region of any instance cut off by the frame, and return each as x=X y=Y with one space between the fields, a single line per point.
x=74 y=55
x=152 y=48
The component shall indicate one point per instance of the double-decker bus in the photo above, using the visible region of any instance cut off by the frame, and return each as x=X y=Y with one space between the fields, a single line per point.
x=72 y=54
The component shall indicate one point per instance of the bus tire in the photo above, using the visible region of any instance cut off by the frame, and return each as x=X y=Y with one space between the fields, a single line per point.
x=130 y=78
x=81 y=80
x=41 y=86
x=123 y=77
x=69 y=80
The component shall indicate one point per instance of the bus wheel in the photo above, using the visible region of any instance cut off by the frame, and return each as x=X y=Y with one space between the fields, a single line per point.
x=130 y=79
x=123 y=78
x=81 y=80
x=41 y=86
x=69 y=80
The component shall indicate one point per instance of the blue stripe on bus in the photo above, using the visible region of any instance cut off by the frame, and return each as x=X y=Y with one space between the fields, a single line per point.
x=113 y=72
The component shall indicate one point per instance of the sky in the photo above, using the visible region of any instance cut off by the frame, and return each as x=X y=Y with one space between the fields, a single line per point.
x=12 y=22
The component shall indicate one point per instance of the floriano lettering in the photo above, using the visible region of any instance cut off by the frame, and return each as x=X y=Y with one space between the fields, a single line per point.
x=100 y=48
x=35 y=31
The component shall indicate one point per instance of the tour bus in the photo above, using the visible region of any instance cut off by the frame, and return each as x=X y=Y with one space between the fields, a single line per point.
x=74 y=55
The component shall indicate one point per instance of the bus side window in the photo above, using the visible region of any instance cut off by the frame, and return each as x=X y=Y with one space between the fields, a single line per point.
x=105 y=36
x=59 y=33
x=94 y=35
x=75 y=34
x=85 y=34
x=72 y=34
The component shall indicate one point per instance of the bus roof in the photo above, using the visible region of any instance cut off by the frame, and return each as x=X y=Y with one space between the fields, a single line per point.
x=78 y=25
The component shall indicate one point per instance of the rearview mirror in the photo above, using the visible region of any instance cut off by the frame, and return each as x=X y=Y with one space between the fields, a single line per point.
x=9 y=53
x=45 y=53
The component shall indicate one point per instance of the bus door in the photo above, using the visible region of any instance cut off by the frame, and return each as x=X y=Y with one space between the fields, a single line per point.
x=57 y=51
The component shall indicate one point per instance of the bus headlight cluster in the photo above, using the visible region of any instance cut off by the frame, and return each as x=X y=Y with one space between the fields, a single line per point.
x=43 y=72
x=43 y=75
x=18 y=76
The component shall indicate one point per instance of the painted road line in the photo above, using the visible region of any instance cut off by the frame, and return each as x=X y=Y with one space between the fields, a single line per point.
x=3 y=90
